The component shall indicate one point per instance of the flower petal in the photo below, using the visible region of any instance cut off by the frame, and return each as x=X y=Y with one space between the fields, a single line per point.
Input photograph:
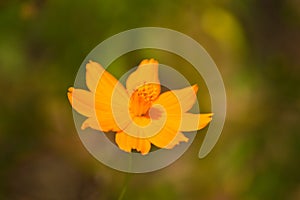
x=170 y=103
x=147 y=72
x=90 y=122
x=145 y=126
x=82 y=101
x=111 y=99
x=93 y=73
x=164 y=137
x=193 y=122
x=187 y=97
x=127 y=142
x=177 y=139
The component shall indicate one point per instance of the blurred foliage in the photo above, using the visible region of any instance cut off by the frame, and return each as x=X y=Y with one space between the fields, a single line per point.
x=255 y=44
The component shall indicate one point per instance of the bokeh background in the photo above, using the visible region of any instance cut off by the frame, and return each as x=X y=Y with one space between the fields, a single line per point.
x=255 y=44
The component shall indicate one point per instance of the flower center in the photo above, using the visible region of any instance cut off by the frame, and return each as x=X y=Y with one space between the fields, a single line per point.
x=142 y=98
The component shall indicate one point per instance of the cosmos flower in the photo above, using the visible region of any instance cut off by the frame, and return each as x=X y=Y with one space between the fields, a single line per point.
x=140 y=115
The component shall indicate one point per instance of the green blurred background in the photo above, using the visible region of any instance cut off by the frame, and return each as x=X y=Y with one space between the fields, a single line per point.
x=255 y=44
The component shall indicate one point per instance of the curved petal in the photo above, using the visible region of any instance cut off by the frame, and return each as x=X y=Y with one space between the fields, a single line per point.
x=170 y=102
x=146 y=126
x=147 y=72
x=93 y=73
x=187 y=97
x=127 y=142
x=90 y=122
x=110 y=95
x=177 y=139
x=166 y=135
x=82 y=101
x=193 y=122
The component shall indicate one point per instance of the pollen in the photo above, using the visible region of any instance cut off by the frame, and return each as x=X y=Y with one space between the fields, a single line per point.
x=148 y=92
x=142 y=98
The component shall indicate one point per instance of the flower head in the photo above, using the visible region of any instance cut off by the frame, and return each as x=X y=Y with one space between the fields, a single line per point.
x=139 y=114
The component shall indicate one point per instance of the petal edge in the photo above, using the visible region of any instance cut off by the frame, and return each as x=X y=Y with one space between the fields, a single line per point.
x=82 y=101
x=193 y=122
x=147 y=72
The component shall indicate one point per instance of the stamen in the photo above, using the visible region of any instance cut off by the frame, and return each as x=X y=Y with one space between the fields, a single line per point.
x=142 y=98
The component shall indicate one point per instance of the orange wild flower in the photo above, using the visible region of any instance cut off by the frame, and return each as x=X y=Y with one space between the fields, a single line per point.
x=139 y=114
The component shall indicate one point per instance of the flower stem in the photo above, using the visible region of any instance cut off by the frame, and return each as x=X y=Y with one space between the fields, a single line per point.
x=124 y=189
x=127 y=178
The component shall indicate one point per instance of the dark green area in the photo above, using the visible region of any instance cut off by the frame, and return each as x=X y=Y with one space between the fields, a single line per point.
x=255 y=45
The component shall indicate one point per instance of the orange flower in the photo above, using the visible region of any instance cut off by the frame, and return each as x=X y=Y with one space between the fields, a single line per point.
x=140 y=115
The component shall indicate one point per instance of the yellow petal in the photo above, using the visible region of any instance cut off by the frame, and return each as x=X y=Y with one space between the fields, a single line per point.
x=93 y=73
x=147 y=72
x=147 y=126
x=193 y=122
x=178 y=138
x=82 y=101
x=90 y=122
x=166 y=135
x=111 y=99
x=187 y=97
x=204 y=120
x=170 y=102
x=127 y=143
